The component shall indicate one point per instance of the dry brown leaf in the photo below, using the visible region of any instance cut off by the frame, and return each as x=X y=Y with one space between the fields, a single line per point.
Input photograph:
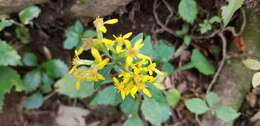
x=252 y=64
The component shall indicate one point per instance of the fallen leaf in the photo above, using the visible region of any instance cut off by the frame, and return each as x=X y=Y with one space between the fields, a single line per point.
x=252 y=64
x=256 y=80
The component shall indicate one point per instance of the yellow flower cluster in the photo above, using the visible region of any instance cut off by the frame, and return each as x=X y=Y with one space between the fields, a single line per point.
x=134 y=70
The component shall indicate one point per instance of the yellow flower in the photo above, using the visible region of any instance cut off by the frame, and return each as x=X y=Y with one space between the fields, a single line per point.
x=80 y=75
x=152 y=68
x=100 y=24
x=93 y=75
x=121 y=39
x=76 y=60
x=108 y=43
x=120 y=86
x=100 y=63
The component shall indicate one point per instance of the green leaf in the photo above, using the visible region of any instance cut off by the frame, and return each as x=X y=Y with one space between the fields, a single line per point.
x=187 y=40
x=108 y=96
x=173 y=97
x=188 y=10
x=136 y=38
x=212 y=99
x=9 y=78
x=47 y=83
x=130 y=105
x=151 y=111
x=2 y=100
x=32 y=80
x=197 y=106
x=23 y=34
x=5 y=23
x=9 y=56
x=226 y=114
x=229 y=10
x=168 y=68
x=148 y=47
x=73 y=35
x=55 y=68
x=66 y=86
x=252 y=64
x=34 y=101
x=205 y=26
x=163 y=51
x=201 y=63
x=29 y=13
x=89 y=34
x=30 y=59
x=214 y=19
x=133 y=120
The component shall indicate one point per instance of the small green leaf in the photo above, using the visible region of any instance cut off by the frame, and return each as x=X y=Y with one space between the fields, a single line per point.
x=148 y=47
x=201 y=63
x=151 y=111
x=168 y=68
x=29 y=13
x=173 y=97
x=33 y=102
x=188 y=10
x=5 y=23
x=205 y=26
x=23 y=34
x=229 y=10
x=73 y=35
x=226 y=114
x=214 y=19
x=30 y=59
x=187 y=40
x=137 y=37
x=108 y=96
x=47 y=83
x=197 y=106
x=9 y=56
x=130 y=105
x=252 y=64
x=133 y=120
x=32 y=80
x=212 y=99
x=163 y=52
x=66 y=86
x=55 y=68
x=89 y=34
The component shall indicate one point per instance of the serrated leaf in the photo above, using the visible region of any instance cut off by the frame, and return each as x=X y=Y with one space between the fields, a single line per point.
x=256 y=80
x=23 y=34
x=252 y=64
x=229 y=10
x=89 y=34
x=107 y=96
x=173 y=97
x=30 y=59
x=29 y=13
x=163 y=51
x=168 y=68
x=9 y=56
x=66 y=86
x=151 y=111
x=5 y=23
x=212 y=99
x=201 y=63
x=73 y=35
x=137 y=37
x=55 y=68
x=133 y=120
x=130 y=105
x=34 y=101
x=197 y=106
x=32 y=80
x=9 y=78
x=148 y=47
x=226 y=114
x=188 y=10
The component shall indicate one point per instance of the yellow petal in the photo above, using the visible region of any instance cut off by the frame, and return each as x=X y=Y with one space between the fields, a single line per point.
x=111 y=21
x=123 y=95
x=138 y=45
x=77 y=85
x=129 y=61
x=147 y=92
x=96 y=54
x=108 y=42
x=128 y=45
x=103 y=63
x=126 y=36
x=100 y=77
x=134 y=91
x=72 y=69
x=102 y=29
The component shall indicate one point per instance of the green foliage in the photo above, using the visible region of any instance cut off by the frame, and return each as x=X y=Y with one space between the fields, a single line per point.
x=137 y=37
x=47 y=83
x=5 y=23
x=30 y=59
x=173 y=97
x=207 y=24
x=107 y=96
x=23 y=34
x=74 y=34
x=197 y=106
x=168 y=68
x=34 y=101
x=229 y=10
x=9 y=56
x=29 y=13
x=188 y=10
x=89 y=34
x=66 y=87
x=151 y=109
x=133 y=120
x=55 y=68
x=130 y=105
x=32 y=80
x=163 y=51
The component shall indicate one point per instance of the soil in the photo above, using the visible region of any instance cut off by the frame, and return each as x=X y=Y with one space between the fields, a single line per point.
x=136 y=17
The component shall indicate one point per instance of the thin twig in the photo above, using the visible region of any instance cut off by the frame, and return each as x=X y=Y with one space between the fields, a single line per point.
x=171 y=10
x=50 y=95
